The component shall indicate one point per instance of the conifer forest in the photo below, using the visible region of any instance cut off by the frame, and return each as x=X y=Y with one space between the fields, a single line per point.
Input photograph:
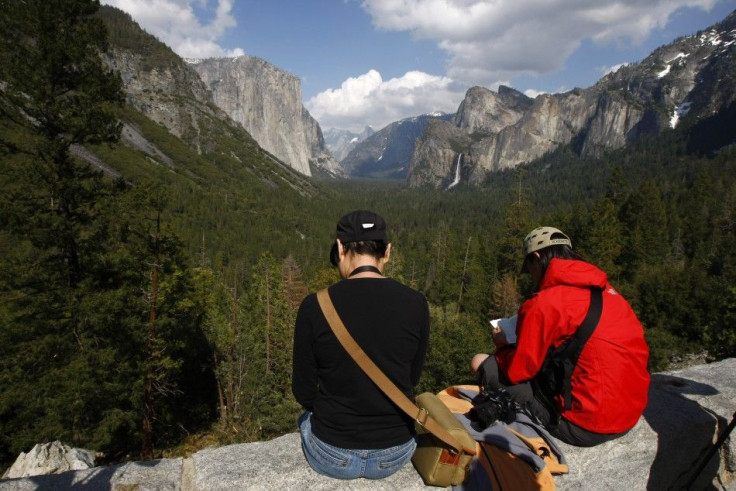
x=148 y=313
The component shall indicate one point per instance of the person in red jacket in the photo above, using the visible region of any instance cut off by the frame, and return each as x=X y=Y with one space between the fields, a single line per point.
x=610 y=382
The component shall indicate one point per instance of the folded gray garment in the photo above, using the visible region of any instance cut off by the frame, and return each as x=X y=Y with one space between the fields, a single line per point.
x=498 y=434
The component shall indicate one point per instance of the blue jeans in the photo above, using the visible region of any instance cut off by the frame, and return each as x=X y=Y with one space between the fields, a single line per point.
x=346 y=463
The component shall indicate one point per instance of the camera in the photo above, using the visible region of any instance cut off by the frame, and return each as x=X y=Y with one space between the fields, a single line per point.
x=491 y=405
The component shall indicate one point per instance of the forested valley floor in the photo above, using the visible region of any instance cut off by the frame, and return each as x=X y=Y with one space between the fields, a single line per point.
x=151 y=314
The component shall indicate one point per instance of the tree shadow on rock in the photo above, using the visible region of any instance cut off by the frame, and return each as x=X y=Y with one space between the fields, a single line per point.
x=685 y=432
x=101 y=478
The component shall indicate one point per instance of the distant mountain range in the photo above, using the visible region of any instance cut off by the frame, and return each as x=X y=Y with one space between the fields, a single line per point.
x=387 y=152
x=341 y=142
x=693 y=77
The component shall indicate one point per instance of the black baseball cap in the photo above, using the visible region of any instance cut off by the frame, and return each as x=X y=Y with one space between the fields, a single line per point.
x=358 y=226
x=361 y=225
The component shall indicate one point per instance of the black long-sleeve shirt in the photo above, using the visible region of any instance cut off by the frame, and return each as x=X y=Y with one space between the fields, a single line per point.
x=390 y=322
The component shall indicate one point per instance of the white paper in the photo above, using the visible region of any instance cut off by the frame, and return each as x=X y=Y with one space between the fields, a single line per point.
x=508 y=326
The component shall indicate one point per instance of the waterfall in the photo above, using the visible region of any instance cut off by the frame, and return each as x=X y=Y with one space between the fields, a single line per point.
x=458 y=168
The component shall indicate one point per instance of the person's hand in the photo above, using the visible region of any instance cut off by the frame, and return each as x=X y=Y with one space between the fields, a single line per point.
x=499 y=337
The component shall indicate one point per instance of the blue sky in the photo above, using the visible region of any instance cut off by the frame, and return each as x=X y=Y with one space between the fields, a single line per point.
x=372 y=62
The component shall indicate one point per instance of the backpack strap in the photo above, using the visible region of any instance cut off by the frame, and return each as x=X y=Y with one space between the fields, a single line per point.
x=556 y=373
x=574 y=347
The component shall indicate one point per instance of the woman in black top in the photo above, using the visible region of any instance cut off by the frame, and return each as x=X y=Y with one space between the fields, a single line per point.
x=350 y=428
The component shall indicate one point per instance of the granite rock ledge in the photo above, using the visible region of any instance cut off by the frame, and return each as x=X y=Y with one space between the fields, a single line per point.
x=687 y=411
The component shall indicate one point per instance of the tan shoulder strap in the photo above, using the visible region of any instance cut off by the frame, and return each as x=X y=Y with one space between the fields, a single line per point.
x=378 y=377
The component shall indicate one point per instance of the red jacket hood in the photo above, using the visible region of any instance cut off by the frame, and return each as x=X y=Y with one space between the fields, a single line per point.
x=573 y=272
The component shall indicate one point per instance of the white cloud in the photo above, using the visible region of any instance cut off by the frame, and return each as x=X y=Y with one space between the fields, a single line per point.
x=605 y=70
x=175 y=23
x=533 y=93
x=492 y=40
x=369 y=100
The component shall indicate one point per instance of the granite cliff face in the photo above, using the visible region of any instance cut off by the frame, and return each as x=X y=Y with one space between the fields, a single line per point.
x=164 y=88
x=436 y=153
x=168 y=93
x=693 y=76
x=385 y=153
x=267 y=101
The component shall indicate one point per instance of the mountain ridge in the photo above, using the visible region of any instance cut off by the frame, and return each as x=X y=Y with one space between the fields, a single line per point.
x=341 y=142
x=163 y=88
x=493 y=130
x=170 y=90
x=386 y=152
x=691 y=77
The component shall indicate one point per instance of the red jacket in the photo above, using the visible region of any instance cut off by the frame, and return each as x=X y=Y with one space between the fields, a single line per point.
x=610 y=382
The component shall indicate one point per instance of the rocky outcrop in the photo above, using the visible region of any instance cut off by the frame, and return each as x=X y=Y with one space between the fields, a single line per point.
x=267 y=101
x=687 y=410
x=50 y=458
x=692 y=76
x=485 y=111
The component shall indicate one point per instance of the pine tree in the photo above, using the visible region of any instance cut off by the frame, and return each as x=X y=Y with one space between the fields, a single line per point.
x=62 y=285
x=605 y=238
x=172 y=384
x=268 y=401
x=454 y=339
x=645 y=220
x=294 y=288
x=55 y=82
x=616 y=190
x=516 y=224
x=505 y=297
x=463 y=276
x=698 y=230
